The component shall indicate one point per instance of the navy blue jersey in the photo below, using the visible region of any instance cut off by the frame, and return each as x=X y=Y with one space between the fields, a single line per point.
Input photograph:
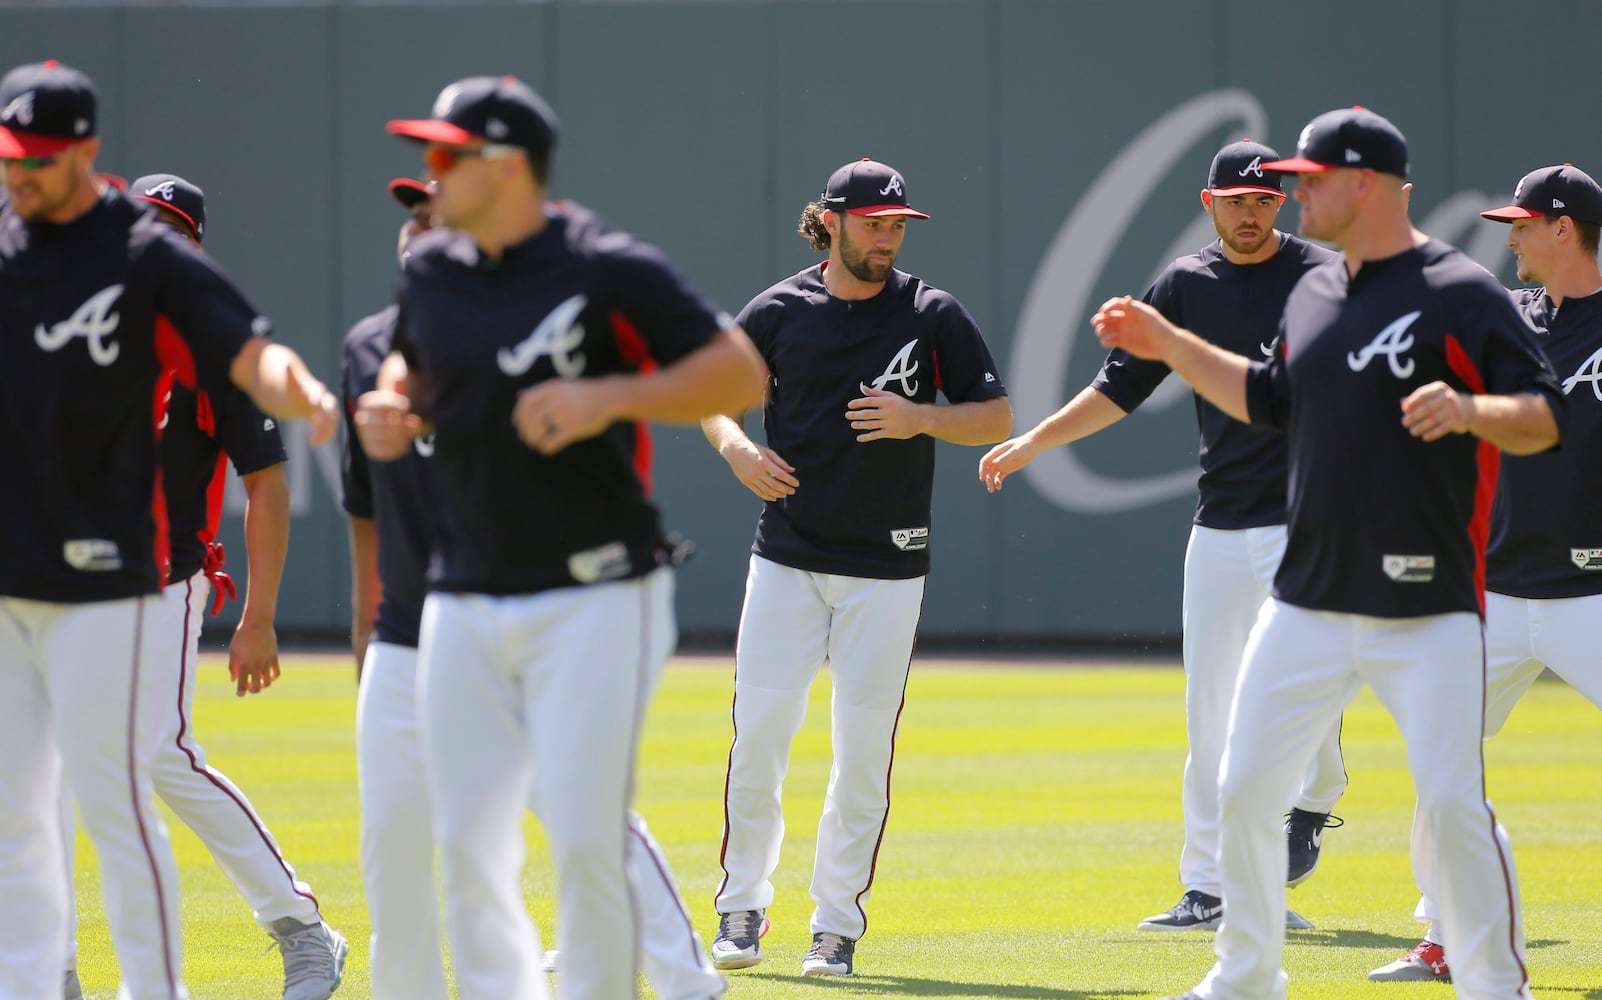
x=397 y=495
x=1380 y=522
x=199 y=429
x=578 y=300
x=863 y=507
x=1546 y=526
x=1238 y=307
x=93 y=312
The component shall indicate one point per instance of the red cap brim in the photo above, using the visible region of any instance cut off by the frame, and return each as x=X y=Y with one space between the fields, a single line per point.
x=18 y=144
x=1507 y=213
x=431 y=130
x=1296 y=165
x=409 y=192
x=880 y=211
x=1231 y=192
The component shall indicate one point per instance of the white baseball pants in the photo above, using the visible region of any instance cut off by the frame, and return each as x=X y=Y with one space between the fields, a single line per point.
x=538 y=699
x=82 y=694
x=1522 y=638
x=1302 y=668
x=792 y=621
x=398 y=856
x=1228 y=576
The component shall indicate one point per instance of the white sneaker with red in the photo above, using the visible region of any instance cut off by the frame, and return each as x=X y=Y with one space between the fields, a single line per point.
x=1424 y=964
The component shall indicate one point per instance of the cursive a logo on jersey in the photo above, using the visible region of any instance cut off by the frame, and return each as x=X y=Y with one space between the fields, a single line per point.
x=94 y=321
x=1408 y=569
x=558 y=335
x=1590 y=372
x=909 y=539
x=1392 y=342
x=901 y=369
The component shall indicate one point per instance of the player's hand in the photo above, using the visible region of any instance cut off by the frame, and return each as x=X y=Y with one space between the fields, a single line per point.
x=552 y=415
x=324 y=418
x=253 y=657
x=1004 y=459
x=1433 y=411
x=1134 y=326
x=386 y=424
x=881 y=414
x=761 y=470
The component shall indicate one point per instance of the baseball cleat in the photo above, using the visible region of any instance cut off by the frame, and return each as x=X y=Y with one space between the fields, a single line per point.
x=1426 y=963
x=71 y=989
x=830 y=955
x=1296 y=922
x=739 y=941
x=314 y=958
x=1304 y=834
x=1196 y=911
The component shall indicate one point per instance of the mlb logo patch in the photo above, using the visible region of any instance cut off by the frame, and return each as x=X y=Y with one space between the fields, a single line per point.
x=910 y=539
x=1587 y=559
x=1409 y=569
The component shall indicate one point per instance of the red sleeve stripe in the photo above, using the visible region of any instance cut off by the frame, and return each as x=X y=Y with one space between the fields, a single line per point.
x=172 y=353
x=634 y=351
x=1488 y=462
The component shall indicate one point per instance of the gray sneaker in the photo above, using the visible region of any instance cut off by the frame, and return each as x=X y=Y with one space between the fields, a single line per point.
x=831 y=955
x=1196 y=911
x=739 y=941
x=71 y=989
x=314 y=958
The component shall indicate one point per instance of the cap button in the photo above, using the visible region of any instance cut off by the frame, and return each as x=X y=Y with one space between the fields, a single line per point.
x=867 y=159
x=51 y=64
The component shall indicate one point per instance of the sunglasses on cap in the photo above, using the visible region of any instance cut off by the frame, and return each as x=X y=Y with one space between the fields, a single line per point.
x=30 y=162
x=441 y=159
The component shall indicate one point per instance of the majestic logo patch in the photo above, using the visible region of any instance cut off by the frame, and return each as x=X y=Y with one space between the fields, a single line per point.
x=604 y=562
x=1589 y=560
x=910 y=539
x=20 y=110
x=558 y=335
x=901 y=369
x=1590 y=371
x=1409 y=569
x=1255 y=167
x=893 y=185
x=162 y=191
x=1391 y=342
x=93 y=321
x=92 y=555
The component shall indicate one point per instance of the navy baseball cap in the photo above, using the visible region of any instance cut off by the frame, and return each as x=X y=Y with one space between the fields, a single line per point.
x=410 y=192
x=176 y=195
x=1347 y=137
x=499 y=109
x=44 y=108
x=1238 y=169
x=868 y=187
x=1553 y=191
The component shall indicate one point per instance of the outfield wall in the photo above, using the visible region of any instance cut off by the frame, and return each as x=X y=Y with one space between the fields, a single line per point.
x=1058 y=144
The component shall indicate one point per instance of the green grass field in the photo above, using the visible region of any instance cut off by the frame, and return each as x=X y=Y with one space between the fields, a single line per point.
x=1034 y=821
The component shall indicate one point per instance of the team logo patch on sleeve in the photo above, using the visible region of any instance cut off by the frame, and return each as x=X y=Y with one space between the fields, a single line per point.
x=910 y=539
x=1587 y=559
x=1409 y=569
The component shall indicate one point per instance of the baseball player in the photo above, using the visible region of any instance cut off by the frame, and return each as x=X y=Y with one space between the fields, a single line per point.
x=391 y=536
x=1230 y=294
x=1401 y=369
x=857 y=353
x=100 y=299
x=536 y=340
x=1543 y=565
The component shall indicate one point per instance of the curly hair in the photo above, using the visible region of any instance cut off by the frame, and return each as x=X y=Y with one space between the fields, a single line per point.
x=811 y=226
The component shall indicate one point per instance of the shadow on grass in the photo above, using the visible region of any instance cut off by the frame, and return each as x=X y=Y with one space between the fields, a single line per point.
x=1374 y=939
x=916 y=986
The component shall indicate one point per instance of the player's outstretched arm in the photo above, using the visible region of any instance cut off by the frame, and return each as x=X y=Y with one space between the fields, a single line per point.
x=253 y=653
x=724 y=375
x=1521 y=424
x=276 y=379
x=1218 y=375
x=1086 y=414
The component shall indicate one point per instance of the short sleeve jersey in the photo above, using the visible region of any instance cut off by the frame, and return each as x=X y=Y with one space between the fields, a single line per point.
x=1237 y=307
x=397 y=495
x=863 y=507
x=1380 y=522
x=1546 y=526
x=92 y=313
x=198 y=431
x=577 y=300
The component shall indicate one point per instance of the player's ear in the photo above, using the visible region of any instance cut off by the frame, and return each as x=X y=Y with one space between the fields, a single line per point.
x=1207 y=200
x=831 y=224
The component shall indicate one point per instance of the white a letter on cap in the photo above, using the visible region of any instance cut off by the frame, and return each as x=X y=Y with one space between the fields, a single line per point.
x=894 y=185
x=1254 y=167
